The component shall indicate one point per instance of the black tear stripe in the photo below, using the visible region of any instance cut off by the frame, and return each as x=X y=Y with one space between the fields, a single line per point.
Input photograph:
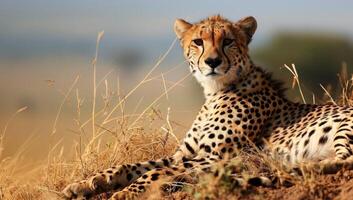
x=203 y=49
x=198 y=60
x=213 y=39
x=228 y=61
x=224 y=53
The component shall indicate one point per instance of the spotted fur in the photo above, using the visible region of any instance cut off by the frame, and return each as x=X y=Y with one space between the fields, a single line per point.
x=243 y=106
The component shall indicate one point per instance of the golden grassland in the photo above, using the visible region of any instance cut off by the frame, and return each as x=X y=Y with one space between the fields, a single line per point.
x=108 y=136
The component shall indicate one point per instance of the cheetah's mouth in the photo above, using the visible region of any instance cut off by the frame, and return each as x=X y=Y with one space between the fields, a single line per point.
x=212 y=73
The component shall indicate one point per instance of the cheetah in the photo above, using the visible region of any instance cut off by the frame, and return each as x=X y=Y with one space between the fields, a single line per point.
x=243 y=105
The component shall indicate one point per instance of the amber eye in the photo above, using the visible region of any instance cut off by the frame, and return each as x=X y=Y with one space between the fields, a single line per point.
x=198 y=42
x=227 y=41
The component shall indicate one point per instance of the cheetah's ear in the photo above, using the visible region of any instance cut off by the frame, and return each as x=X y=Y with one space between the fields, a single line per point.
x=248 y=25
x=180 y=26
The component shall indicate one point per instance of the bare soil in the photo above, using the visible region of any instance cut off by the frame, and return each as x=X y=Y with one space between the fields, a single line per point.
x=337 y=186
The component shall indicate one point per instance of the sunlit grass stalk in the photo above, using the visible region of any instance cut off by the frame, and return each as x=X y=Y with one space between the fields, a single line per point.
x=62 y=104
x=94 y=63
x=141 y=82
x=294 y=72
x=3 y=133
x=328 y=94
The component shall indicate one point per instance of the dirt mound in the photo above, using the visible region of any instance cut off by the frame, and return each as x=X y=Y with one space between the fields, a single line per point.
x=336 y=187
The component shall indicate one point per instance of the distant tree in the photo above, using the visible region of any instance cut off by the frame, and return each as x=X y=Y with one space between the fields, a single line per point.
x=318 y=57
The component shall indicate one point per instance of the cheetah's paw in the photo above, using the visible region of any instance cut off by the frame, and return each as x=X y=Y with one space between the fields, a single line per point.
x=79 y=190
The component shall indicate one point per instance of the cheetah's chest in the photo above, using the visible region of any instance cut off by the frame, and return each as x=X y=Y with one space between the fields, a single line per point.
x=228 y=123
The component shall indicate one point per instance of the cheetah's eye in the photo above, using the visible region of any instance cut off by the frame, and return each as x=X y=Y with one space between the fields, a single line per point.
x=227 y=41
x=198 y=42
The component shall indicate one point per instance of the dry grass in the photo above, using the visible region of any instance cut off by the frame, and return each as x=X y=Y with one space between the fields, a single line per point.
x=108 y=136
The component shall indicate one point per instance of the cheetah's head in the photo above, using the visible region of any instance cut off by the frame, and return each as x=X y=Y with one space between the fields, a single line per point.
x=216 y=49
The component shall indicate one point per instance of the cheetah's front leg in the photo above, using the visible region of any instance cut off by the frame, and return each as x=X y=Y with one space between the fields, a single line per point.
x=110 y=179
x=146 y=180
x=115 y=178
x=177 y=175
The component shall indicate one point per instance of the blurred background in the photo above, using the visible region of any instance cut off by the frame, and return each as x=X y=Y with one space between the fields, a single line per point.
x=46 y=45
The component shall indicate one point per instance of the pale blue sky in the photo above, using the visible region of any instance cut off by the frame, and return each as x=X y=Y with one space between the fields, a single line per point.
x=70 y=24
x=81 y=18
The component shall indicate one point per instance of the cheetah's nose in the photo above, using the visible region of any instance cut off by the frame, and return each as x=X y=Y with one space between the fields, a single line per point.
x=213 y=62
